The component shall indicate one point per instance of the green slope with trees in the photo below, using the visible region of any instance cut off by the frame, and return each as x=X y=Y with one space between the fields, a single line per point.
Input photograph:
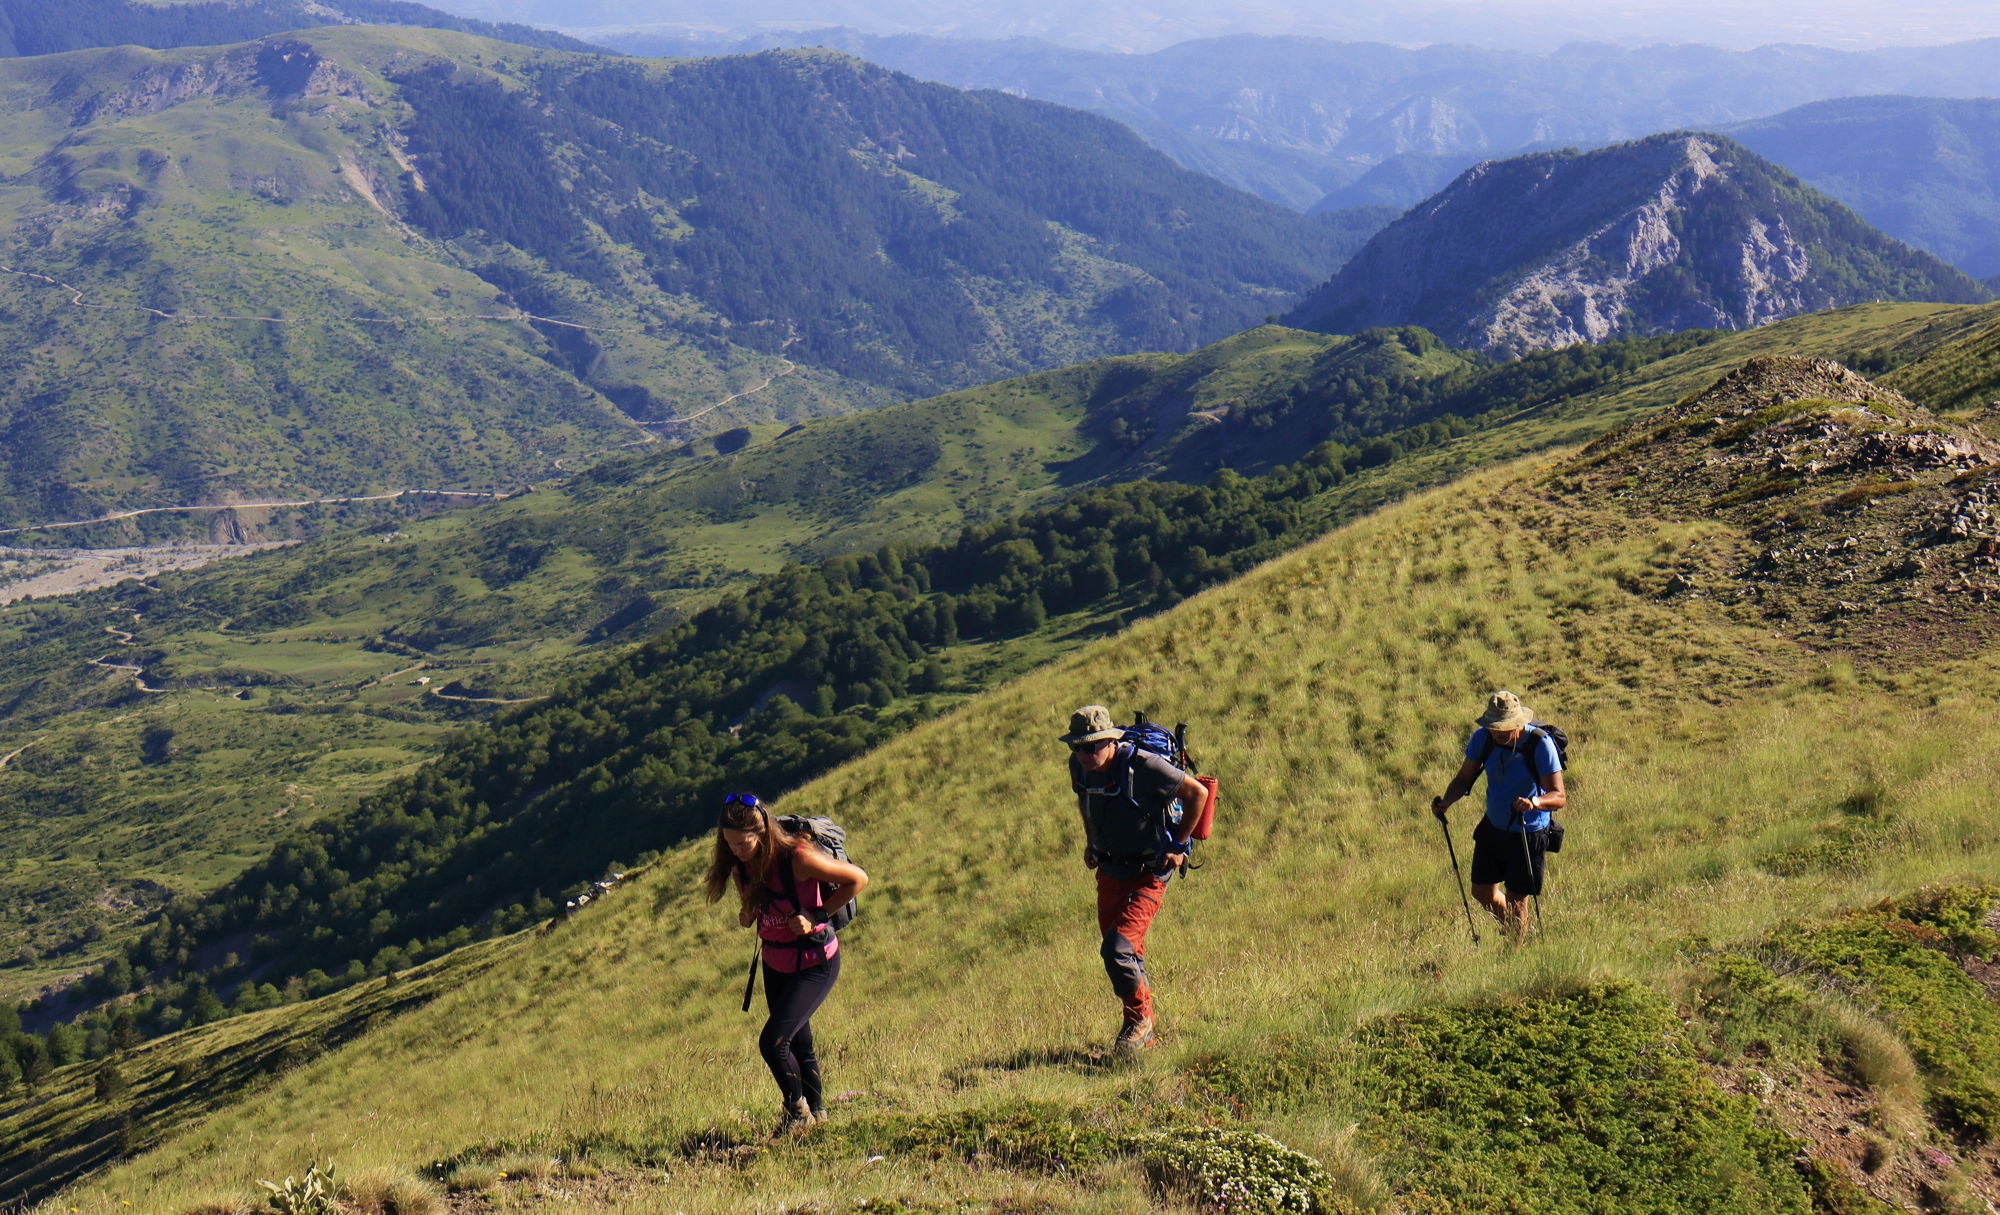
x=352 y=259
x=30 y=28
x=1926 y=170
x=1720 y=1016
x=811 y=666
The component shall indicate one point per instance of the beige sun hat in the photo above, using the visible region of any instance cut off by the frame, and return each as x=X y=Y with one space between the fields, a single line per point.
x=1504 y=711
x=1091 y=723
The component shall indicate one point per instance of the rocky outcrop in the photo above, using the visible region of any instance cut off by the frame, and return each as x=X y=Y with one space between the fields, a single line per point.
x=282 y=67
x=1674 y=232
x=1858 y=519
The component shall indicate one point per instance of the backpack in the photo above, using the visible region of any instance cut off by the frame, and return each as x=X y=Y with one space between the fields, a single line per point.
x=1151 y=738
x=1553 y=732
x=831 y=838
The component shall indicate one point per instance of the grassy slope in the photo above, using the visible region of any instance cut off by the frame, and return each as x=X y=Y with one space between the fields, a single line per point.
x=1330 y=691
x=318 y=732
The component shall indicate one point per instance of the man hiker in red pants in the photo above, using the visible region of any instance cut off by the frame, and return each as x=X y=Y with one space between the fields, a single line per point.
x=1137 y=812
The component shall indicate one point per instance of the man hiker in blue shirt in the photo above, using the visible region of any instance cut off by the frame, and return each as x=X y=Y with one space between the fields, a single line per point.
x=1524 y=782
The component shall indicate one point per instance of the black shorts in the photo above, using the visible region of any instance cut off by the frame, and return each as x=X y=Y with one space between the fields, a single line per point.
x=1497 y=857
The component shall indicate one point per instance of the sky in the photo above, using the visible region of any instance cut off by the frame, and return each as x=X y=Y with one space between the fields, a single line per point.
x=1144 y=25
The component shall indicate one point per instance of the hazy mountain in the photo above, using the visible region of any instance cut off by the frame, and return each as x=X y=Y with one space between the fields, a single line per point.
x=35 y=27
x=1676 y=231
x=1923 y=169
x=1294 y=119
x=1126 y=25
x=359 y=258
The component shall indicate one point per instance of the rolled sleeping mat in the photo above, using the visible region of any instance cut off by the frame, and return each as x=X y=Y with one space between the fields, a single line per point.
x=1204 y=824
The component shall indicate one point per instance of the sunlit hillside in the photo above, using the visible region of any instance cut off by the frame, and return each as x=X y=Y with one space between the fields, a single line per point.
x=1316 y=978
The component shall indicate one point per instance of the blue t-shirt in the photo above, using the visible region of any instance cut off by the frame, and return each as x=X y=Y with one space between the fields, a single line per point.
x=1509 y=775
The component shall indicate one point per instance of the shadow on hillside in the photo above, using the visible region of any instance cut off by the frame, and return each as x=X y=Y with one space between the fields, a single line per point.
x=1062 y=1058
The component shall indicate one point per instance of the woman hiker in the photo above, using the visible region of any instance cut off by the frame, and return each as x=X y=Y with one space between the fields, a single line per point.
x=788 y=887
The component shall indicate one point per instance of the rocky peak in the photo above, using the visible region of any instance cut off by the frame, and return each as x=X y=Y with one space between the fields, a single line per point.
x=1678 y=231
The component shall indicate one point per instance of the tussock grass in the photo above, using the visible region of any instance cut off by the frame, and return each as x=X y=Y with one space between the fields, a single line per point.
x=390 y=1192
x=1331 y=691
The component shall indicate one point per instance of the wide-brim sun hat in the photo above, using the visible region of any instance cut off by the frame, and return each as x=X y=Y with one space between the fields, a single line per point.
x=1504 y=711
x=1091 y=723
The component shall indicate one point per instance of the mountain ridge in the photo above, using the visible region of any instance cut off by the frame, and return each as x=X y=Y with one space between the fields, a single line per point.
x=1296 y=119
x=351 y=301
x=1683 y=230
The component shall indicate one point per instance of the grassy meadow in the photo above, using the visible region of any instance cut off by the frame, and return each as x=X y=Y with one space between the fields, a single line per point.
x=1330 y=691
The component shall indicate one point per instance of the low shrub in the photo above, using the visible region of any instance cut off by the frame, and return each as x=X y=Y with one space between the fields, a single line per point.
x=1585 y=1101
x=1833 y=1194
x=1038 y=1136
x=1968 y=1111
x=1233 y=1170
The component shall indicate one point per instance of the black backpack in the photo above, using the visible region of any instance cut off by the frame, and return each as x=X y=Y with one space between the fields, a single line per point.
x=831 y=838
x=1555 y=735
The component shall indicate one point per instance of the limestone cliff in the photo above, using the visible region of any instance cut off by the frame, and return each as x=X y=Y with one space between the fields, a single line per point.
x=1676 y=231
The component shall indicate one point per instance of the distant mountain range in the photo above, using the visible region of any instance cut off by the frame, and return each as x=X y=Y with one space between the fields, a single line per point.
x=1925 y=170
x=36 y=27
x=1295 y=119
x=1678 y=231
x=360 y=258
x=1146 y=25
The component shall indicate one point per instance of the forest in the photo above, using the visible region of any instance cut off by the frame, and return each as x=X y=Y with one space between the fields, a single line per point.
x=860 y=207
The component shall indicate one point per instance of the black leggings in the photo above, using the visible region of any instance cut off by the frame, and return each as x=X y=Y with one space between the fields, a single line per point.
x=787 y=1040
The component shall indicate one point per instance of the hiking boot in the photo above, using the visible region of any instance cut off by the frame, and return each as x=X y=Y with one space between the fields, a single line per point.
x=795 y=1117
x=1137 y=1035
x=817 y=1114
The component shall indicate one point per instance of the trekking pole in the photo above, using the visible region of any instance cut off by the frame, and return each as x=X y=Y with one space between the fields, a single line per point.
x=1446 y=827
x=1528 y=856
x=750 y=985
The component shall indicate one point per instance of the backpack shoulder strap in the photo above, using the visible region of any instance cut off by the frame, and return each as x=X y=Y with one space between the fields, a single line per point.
x=1529 y=732
x=1532 y=735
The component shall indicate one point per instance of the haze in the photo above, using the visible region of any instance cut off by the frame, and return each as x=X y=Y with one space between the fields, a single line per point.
x=1137 y=25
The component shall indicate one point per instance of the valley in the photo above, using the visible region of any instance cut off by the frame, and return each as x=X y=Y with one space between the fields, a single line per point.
x=440 y=462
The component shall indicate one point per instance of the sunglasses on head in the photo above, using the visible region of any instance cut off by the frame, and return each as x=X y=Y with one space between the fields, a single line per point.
x=743 y=799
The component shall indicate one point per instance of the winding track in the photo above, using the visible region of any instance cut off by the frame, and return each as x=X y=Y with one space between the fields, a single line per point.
x=164 y=510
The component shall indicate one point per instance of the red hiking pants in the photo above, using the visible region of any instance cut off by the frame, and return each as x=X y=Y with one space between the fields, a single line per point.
x=1125 y=910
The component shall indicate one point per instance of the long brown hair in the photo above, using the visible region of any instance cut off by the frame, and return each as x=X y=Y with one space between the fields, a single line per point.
x=743 y=812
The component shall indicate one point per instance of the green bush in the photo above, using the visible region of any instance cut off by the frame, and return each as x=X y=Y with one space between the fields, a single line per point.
x=1970 y=1111
x=1233 y=1170
x=1587 y=1101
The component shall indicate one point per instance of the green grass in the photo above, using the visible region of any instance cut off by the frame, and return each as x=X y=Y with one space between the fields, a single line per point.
x=1330 y=691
